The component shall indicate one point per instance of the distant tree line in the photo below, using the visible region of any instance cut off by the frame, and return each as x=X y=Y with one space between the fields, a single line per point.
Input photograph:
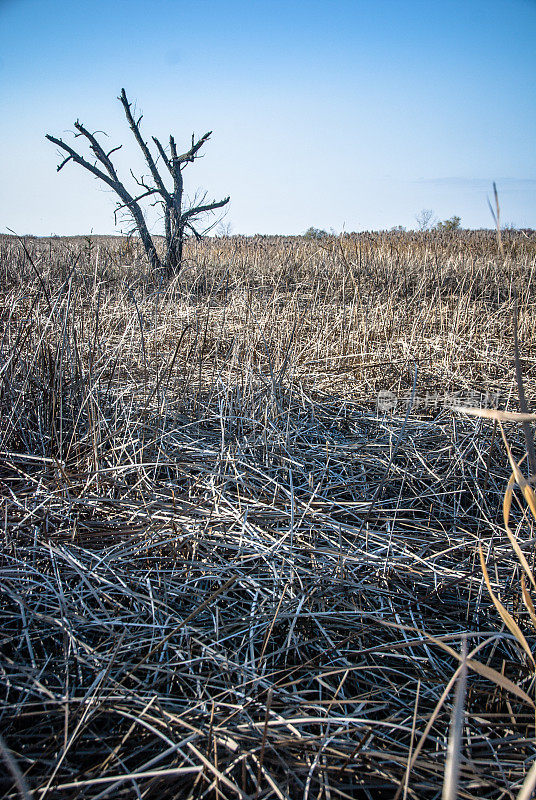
x=425 y=221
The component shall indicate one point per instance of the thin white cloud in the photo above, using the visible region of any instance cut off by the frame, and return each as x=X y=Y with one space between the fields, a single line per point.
x=510 y=184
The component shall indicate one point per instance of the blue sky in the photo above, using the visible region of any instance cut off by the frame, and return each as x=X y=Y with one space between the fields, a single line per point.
x=344 y=115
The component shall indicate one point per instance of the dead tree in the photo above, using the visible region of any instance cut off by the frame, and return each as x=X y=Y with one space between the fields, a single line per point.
x=179 y=221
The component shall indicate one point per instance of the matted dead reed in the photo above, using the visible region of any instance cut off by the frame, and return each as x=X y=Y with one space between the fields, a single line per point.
x=225 y=572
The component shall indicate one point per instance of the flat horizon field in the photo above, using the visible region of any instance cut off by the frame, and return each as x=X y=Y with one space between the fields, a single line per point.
x=268 y=524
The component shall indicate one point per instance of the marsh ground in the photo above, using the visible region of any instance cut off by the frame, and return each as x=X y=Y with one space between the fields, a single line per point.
x=226 y=572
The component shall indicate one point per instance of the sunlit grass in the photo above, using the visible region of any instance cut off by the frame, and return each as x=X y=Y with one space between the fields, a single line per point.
x=223 y=569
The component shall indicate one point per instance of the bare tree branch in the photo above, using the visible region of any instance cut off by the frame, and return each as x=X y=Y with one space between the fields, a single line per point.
x=193 y=212
x=98 y=150
x=80 y=160
x=63 y=163
x=163 y=154
x=190 y=227
x=178 y=184
x=137 y=199
x=135 y=128
x=119 y=146
x=190 y=155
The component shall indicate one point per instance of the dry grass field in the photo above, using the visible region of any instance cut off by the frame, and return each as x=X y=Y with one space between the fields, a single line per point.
x=225 y=571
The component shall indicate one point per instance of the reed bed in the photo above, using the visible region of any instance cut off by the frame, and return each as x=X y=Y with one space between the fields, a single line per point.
x=226 y=571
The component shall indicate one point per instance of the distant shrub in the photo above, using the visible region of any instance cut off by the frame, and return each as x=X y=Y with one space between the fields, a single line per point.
x=315 y=233
x=449 y=225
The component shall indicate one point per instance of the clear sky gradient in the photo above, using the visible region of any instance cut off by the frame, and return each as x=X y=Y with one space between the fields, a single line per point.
x=338 y=114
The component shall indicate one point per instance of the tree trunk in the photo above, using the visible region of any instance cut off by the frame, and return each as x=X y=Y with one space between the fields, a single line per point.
x=145 y=236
